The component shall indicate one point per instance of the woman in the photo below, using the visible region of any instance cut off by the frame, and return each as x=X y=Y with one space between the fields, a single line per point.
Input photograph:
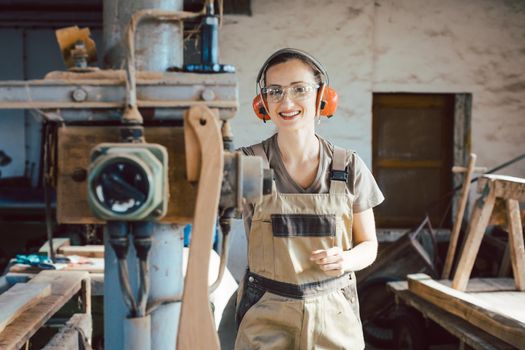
x=316 y=228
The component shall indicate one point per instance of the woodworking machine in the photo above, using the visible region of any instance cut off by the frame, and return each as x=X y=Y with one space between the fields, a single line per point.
x=144 y=147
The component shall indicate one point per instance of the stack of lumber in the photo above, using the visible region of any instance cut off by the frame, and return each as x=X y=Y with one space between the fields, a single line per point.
x=492 y=304
x=25 y=307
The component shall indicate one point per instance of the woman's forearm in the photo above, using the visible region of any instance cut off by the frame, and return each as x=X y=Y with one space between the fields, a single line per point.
x=360 y=256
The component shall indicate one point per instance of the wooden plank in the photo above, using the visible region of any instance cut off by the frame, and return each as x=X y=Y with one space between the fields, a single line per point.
x=479 y=285
x=507 y=187
x=459 y=217
x=57 y=243
x=504 y=267
x=94 y=265
x=510 y=303
x=69 y=336
x=516 y=247
x=397 y=286
x=91 y=251
x=196 y=328
x=23 y=269
x=475 y=285
x=19 y=298
x=96 y=278
x=85 y=295
x=464 y=331
x=64 y=284
x=478 y=224
x=471 y=309
x=74 y=146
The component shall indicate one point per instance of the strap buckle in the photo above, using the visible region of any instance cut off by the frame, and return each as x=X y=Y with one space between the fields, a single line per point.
x=339 y=175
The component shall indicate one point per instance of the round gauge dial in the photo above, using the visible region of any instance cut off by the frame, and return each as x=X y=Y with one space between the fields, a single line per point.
x=121 y=186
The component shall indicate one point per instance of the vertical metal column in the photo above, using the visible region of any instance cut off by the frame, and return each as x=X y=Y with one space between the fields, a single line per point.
x=158 y=46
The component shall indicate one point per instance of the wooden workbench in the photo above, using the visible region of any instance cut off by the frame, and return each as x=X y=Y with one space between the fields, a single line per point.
x=488 y=315
x=466 y=333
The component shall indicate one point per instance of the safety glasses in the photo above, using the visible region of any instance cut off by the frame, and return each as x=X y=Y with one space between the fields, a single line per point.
x=297 y=91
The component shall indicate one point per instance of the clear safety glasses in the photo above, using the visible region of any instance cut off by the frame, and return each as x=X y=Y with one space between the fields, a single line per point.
x=297 y=91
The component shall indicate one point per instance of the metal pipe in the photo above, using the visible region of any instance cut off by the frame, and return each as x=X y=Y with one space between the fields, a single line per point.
x=132 y=114
x=166 y=281
x=158 y=45
x=137 y=333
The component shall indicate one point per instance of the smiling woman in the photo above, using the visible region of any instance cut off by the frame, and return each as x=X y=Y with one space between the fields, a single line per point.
x=307 y=238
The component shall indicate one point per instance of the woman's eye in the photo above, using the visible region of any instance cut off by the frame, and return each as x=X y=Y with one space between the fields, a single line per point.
x=300 y=89
x=275 y=92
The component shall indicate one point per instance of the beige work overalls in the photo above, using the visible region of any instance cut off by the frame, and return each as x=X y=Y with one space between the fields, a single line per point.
x=286 y=301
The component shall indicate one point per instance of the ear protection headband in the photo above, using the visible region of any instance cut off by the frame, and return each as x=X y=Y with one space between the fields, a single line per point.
x=326 y=102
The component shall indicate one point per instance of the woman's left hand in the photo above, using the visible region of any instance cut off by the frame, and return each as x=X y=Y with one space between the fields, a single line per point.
x=331 y=260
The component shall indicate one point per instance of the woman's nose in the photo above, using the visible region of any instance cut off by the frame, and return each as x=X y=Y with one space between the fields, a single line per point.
x=286 y=98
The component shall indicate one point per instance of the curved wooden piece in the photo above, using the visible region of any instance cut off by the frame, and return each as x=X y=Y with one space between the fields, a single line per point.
x=196 y=326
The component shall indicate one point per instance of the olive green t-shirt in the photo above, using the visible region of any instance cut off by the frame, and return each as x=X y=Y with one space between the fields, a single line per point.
x=361 y=183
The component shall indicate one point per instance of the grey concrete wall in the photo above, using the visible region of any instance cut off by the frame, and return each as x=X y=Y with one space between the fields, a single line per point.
x=472 y=46
x=338 y=33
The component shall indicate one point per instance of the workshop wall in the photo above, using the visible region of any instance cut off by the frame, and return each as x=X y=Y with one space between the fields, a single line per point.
x=430 y=46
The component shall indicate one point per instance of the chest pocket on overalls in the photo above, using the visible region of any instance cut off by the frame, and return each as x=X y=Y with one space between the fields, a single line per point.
x=303 y=225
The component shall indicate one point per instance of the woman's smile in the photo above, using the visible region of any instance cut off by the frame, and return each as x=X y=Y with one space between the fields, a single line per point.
x=290 y=114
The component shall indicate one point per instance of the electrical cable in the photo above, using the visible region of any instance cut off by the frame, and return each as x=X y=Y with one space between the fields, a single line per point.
x=144 y=288
x=155 y=304
x=47 y=185
x=225 y=248
x=125 y=286
x=119 y=241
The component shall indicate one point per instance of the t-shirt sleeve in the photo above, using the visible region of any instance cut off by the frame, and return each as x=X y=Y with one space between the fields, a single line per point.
x=364 y=187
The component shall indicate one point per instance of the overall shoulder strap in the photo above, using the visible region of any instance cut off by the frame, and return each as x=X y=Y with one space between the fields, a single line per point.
x=258 y=150
x=338 y=173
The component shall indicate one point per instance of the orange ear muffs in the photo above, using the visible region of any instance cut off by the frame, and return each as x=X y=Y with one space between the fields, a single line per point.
x=326 y=101
x=259 y=108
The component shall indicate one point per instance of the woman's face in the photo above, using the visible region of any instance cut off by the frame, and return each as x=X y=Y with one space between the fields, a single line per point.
x=296 y=109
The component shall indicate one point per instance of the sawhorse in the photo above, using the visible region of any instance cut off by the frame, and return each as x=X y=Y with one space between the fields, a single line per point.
x=512 y=191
